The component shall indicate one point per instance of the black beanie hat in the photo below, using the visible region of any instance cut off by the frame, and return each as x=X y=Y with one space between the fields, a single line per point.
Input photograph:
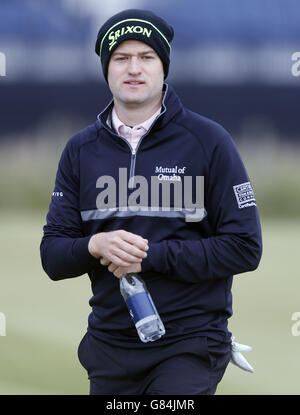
x=142 y=25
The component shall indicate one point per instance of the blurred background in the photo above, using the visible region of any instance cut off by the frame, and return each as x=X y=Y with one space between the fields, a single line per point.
x=232 y=61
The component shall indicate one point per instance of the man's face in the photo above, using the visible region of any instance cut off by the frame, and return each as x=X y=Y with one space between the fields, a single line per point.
x=135 y=74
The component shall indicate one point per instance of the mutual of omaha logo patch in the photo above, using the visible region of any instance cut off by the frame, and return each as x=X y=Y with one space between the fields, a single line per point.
x=244 y=195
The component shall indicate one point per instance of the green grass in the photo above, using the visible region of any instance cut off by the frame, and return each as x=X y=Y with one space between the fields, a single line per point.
x=263 y=303
x=46 y=320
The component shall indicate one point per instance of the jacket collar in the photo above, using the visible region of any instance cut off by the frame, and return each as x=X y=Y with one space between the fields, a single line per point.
x=171 y=105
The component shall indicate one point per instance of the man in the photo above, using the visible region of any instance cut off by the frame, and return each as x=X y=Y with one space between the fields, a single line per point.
x=106 y=220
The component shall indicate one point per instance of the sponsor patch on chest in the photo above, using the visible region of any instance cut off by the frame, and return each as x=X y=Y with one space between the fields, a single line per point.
x=169 y=173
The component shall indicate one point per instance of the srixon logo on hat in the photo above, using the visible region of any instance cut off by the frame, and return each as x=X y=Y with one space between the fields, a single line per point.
x=114 y=35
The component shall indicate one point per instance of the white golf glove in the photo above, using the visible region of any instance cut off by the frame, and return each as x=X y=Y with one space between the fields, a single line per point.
x=236 y=355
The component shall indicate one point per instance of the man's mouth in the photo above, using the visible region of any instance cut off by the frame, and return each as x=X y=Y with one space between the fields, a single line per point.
x=133 y=82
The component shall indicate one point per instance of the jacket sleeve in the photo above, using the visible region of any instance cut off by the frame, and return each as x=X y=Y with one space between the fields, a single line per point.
x=234 y=243
x=64 y=248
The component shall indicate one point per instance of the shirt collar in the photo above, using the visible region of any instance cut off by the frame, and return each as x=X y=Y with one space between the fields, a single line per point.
x=117 y=123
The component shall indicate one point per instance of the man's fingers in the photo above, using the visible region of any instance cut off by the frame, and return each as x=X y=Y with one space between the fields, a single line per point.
x=130 y=252
x=104 y=261
x=121 y=248
x=119 y=272
x=112 y=267
x=119 y=261
x=120 y=258
x=135 y=240
x=105 y=244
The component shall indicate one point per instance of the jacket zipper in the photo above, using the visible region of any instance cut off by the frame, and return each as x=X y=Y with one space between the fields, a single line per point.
x=133 y=152
x=132 y=169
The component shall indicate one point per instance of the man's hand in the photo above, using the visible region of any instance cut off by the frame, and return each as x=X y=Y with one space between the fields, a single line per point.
x=121 y=271
x=121 y=248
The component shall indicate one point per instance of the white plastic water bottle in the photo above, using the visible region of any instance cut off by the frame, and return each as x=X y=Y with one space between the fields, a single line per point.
x=141 y=308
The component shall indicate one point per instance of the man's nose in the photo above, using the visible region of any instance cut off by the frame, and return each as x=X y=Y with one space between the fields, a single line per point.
x=134 y=66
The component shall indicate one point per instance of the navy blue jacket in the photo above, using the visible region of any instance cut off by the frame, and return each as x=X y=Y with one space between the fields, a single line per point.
x=190 y=263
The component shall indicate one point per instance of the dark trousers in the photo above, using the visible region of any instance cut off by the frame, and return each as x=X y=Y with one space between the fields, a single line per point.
x=189 y=367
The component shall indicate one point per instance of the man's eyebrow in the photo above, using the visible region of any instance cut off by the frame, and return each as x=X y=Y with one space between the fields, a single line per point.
x=147 y=51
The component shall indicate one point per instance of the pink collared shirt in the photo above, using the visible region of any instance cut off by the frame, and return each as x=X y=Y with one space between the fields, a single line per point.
x=132 y=134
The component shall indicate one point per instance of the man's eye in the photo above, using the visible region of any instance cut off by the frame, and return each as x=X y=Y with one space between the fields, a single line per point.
x=121 y=58
x=147 y=57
